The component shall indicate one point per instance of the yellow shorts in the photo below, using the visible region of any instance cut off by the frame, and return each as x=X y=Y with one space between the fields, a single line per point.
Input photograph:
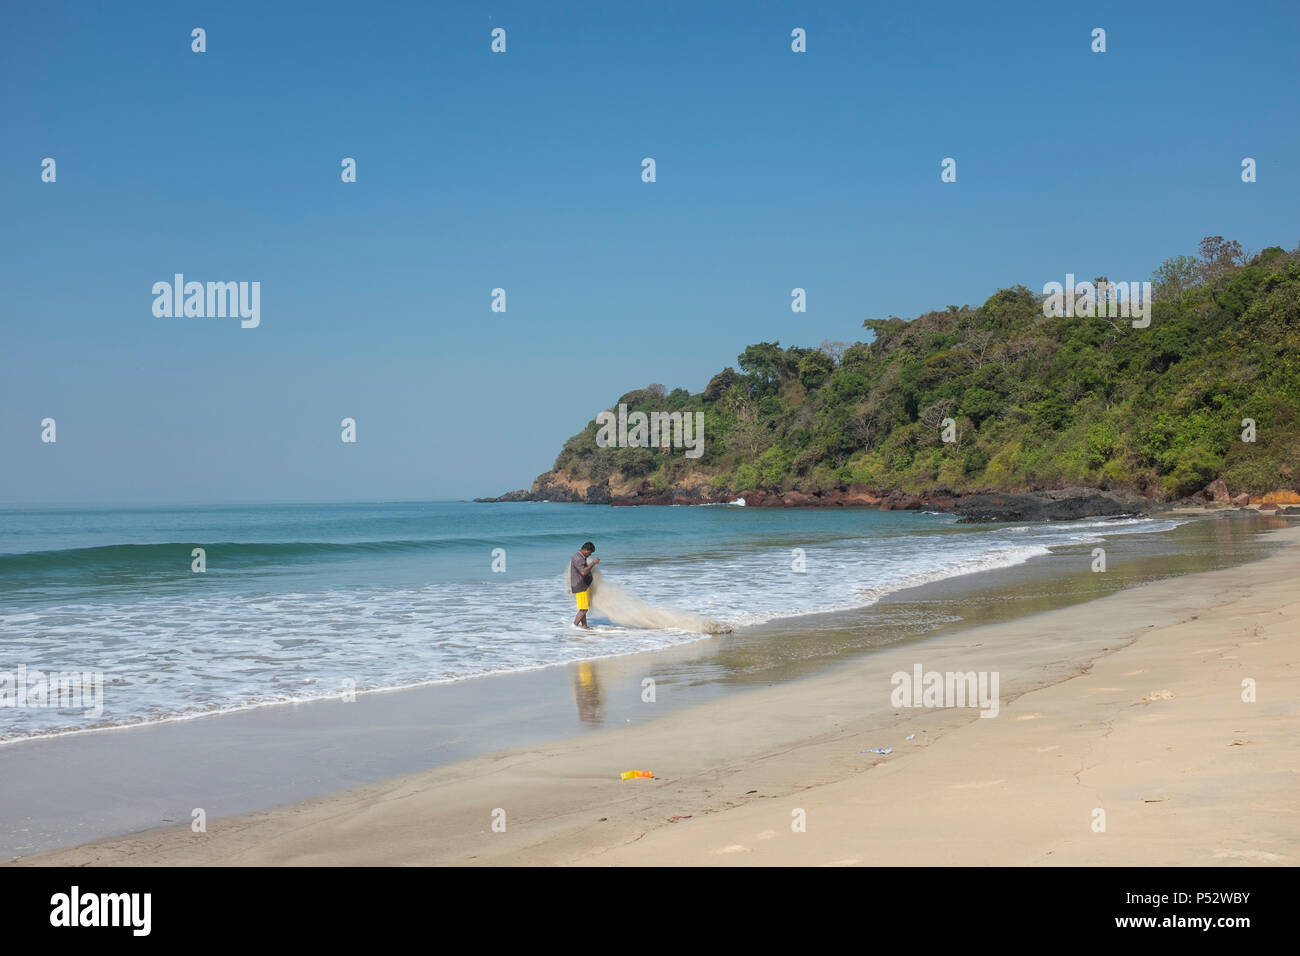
x=581 y=597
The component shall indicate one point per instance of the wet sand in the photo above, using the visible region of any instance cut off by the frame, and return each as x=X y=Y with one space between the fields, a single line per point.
x=1129 y=704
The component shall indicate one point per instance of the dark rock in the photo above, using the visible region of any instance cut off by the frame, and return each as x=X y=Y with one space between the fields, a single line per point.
x=798 y=499
x=520 y=495
x=1060 y=504
x=904 y=503
x=1216 y=491
x=546 y=490
x=645 y=494
x=1064 y=504
x=642 y=499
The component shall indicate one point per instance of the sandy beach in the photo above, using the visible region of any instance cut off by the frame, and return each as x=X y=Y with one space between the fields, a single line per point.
x=1121 y=737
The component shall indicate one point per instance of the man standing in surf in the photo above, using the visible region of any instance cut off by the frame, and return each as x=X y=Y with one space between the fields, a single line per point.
x=580 y=581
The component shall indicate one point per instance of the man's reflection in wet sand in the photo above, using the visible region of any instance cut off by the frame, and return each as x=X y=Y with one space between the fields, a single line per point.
x=586 y=690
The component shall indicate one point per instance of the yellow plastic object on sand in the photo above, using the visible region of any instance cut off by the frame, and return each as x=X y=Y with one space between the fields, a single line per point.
x=629 y=774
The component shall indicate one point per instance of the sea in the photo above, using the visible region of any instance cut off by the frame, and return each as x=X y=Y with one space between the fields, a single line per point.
x=294 y=602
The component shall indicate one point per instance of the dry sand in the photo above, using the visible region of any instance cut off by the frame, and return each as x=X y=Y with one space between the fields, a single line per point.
x=1131 y=704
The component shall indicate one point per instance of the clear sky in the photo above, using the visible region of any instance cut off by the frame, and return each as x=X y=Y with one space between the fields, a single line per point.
x=522 y=170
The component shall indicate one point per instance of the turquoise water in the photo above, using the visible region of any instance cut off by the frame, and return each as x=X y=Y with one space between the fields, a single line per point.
x=306 y=601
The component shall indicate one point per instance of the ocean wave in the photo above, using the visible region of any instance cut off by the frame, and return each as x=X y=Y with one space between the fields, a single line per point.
x=176 y=555
x=990 y=560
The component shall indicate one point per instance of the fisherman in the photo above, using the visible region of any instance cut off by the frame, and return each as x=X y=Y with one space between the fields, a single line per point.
x=580 y=567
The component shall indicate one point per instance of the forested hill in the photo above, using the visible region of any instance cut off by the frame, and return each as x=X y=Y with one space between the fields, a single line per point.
x=1034 y=402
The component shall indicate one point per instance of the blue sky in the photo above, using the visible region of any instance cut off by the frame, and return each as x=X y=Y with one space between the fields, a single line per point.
x=522 y=170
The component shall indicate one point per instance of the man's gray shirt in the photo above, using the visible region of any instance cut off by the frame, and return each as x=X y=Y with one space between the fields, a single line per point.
x=579 y=579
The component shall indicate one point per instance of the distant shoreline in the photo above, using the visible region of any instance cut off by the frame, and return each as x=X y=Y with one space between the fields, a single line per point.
x=1055 y=505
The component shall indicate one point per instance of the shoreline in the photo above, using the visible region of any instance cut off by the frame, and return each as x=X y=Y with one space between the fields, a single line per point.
x=784 y=739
